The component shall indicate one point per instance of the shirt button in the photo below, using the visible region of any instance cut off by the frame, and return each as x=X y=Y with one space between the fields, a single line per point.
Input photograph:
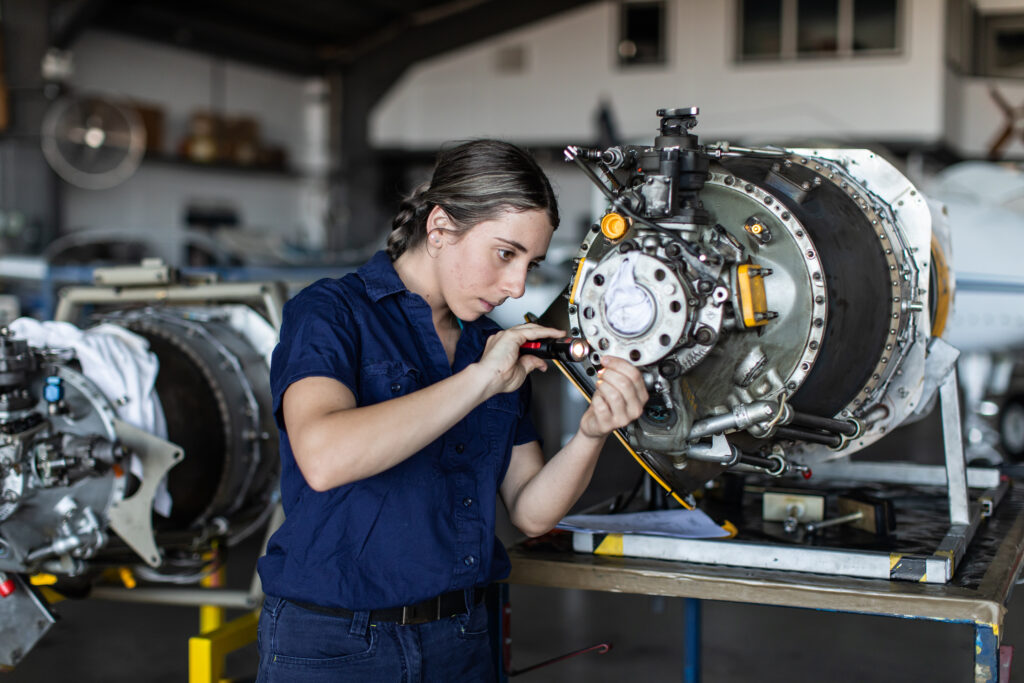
x=395 y=388
x=467 y=501
x=459 y=447
x=469 y=560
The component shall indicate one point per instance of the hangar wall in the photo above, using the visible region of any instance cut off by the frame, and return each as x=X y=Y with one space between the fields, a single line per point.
x=291 y=113
x=553 y=98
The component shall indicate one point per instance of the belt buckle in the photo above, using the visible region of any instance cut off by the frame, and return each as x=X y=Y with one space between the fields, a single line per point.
x=406 y=615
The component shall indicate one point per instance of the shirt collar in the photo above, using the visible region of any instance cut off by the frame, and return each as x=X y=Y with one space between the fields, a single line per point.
x=380 y=278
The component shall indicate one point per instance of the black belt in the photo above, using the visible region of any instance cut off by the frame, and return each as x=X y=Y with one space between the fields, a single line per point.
x=441 y=607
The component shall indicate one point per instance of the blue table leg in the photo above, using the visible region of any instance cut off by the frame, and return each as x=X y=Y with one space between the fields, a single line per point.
x=986 y=654
x=691 y=642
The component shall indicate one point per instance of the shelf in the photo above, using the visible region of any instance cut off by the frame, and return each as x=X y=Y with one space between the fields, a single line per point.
x=221 y=166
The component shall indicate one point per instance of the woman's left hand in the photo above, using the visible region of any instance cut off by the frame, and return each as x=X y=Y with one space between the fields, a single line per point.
x=619 y=399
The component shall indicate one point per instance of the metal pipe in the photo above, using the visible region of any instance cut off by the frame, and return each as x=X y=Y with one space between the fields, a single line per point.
x=774 y=465
x=844 y=427
x=811 y=527
x=706 y=453
x=220 y=597
x=832 y=440
x=741 y=417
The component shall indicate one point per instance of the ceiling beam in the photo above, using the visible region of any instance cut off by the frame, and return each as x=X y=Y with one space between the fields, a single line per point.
x=68 y=19
x=233 y=40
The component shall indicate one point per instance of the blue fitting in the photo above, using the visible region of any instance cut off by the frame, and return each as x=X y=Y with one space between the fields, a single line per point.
x=53 y=392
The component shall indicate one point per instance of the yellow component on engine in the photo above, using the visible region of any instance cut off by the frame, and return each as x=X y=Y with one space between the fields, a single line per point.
x=42 y=579
x=577 y=280
x=753 y=302
x=614 y=226
x=127 y=577
x=942 y=288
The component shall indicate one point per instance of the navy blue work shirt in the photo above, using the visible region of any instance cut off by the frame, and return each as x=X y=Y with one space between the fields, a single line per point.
x=425 y=526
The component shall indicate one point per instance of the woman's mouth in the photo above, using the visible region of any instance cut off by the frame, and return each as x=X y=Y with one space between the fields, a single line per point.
x=488 y=306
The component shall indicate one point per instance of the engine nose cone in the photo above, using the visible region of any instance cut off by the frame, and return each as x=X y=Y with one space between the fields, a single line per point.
x=628 y=307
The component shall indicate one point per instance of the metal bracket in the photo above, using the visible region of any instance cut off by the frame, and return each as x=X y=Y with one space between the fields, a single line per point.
x=131 y=518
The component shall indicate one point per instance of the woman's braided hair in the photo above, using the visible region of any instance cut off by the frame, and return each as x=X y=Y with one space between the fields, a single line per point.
x=473 y=182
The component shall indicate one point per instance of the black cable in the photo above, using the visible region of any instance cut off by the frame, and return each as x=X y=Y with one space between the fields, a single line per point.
x=833 y=440
x=828 y=424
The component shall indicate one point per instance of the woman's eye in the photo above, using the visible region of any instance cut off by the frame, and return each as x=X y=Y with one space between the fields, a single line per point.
x=533 y=264
x=505 y=254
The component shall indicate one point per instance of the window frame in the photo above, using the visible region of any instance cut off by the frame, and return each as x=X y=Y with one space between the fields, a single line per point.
x=987 y=53
x=662 y=59
x=789 y=40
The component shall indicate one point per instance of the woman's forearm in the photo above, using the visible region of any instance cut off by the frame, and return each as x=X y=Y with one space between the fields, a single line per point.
x=350 y=444
x=556 y=487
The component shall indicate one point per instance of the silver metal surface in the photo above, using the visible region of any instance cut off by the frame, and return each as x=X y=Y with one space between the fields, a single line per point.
x=217 y=597
x=903 y=473
x=956 y=474
x=723 y=290
x=267 y=296
x=815 y=560
x=130 y=517
x=24 y=620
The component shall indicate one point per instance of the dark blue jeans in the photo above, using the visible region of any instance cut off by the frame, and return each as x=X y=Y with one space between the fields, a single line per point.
x=299 y=645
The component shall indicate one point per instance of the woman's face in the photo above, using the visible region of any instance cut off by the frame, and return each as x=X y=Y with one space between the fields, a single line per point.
x=488 y=263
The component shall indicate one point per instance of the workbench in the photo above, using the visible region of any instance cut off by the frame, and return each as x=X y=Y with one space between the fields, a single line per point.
x=977 y=594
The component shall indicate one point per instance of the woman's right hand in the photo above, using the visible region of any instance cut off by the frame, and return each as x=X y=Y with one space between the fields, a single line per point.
x=503 y=368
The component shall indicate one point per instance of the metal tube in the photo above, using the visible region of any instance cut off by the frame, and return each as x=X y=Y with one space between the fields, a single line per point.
x=811 y=527
x=177 y=596
x=956 y=467
x=741 y=417
x=844 y=427
x=692 y=637
x=774 y=465
x=706 y=453
x=807 y=435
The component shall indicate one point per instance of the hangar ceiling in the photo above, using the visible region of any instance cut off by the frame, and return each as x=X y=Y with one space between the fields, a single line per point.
x=303 y=36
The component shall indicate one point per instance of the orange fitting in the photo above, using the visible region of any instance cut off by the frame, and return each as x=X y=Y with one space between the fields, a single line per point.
x=613 y=226
x=127 y=577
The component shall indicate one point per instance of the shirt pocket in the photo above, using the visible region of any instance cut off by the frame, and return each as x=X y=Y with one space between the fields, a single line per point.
x=388 y=379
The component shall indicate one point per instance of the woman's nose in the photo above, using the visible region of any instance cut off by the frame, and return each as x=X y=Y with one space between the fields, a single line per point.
x=515 y=285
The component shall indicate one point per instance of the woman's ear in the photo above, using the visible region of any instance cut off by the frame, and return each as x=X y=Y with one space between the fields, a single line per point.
x=437 y=220
x=436 y=224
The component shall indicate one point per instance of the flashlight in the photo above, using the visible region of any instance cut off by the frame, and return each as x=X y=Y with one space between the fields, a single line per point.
x=567 y=349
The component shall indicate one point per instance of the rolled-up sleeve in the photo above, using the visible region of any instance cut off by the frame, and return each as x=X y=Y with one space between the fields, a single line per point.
x=318 y=339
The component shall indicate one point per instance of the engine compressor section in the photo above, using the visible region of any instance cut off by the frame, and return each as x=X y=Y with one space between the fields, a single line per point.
x=779 y=302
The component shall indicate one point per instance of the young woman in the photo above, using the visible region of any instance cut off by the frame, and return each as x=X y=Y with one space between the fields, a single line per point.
x=403 y=414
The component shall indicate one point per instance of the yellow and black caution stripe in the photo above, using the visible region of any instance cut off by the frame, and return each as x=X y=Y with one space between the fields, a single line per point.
x=908 y=567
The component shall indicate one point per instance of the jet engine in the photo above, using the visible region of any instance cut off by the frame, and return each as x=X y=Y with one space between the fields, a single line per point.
x=780 y=302
x=80 y=485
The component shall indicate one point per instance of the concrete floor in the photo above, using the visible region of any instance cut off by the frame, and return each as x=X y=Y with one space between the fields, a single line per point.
x=106 y=642
x=116 y=642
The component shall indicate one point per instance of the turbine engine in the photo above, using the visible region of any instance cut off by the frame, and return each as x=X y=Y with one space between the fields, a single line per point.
x=779 y=302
